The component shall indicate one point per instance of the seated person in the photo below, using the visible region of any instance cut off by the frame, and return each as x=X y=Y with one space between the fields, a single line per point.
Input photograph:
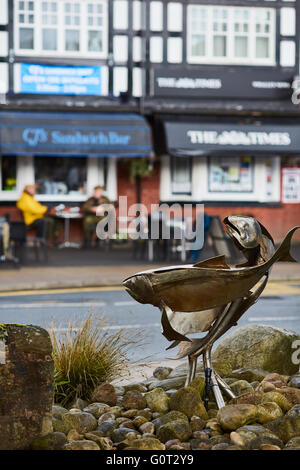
x=5 y=235
x=36 y=215
x=91 y=209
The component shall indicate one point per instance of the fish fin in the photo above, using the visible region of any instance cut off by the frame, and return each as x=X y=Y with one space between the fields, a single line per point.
x=185 y=348
x=216 y=262
x=288 y=257
x=168 y=331
x=173 y=345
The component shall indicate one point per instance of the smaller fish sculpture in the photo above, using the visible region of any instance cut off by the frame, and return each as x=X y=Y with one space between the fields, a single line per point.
x=217 y=293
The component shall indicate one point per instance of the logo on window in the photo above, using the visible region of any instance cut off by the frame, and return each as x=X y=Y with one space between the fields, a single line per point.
x=35 y=136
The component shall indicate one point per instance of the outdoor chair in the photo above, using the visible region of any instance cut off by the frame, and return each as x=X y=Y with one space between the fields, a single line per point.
x=26 y=235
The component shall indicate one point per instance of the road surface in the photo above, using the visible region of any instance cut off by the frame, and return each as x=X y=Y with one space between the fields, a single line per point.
x=279 y=306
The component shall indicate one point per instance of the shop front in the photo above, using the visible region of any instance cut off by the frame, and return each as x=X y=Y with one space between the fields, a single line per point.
x=234 y=167
x=66 y=154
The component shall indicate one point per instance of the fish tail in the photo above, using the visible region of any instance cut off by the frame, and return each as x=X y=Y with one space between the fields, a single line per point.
x=284 y=249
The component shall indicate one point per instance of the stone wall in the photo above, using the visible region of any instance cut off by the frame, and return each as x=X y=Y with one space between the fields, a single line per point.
x=26 y=385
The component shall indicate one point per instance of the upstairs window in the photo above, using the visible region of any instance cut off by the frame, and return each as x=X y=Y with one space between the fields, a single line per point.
x=61 y=28
x=231 y=35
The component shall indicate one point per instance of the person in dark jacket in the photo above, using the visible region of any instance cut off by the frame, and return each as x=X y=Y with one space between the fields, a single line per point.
x=91 y=210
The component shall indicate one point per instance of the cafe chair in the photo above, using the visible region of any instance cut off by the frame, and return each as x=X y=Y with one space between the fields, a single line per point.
x=27 y=235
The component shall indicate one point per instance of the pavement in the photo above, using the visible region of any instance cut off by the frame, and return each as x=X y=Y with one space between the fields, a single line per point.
x=75 y=268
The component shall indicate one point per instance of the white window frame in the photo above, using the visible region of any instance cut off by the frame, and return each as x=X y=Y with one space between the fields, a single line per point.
x=200 y=188
x=208 y=58
x=95 y=176
x=84 y=28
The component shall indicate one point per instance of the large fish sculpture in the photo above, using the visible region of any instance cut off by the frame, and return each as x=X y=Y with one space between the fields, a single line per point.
x=216 y=292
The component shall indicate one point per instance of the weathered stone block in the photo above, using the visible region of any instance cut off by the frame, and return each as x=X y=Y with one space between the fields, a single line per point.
x=26 y=384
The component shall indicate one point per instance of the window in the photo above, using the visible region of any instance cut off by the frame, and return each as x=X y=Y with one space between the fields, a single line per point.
x=61 y=176
x=234 y=35
x=49 y=26
x=67 y=28
x=8 y=173
x=181 y=175
x=230 y=174
x=26 y=19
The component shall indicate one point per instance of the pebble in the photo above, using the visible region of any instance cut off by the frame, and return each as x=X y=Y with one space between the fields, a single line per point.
x=269 y=447
x=140 y=416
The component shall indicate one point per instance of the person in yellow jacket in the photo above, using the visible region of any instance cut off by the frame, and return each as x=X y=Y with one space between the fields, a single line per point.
x=35 y=214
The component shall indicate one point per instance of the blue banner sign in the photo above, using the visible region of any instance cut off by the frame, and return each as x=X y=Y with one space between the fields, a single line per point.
x=60 y=80
x=66 y=133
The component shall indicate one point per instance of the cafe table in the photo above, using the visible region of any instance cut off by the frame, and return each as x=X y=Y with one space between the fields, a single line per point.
x=67 y=215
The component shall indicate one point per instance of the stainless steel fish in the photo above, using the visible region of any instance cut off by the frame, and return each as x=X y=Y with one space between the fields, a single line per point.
x=220 y=292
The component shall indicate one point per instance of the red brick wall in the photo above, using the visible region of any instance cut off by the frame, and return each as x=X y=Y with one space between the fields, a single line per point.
x=149 y=186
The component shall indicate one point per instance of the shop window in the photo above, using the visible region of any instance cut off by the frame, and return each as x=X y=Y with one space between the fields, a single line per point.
x=231 y=35
x=61 y=176
x=230 y=174
x=8 y=173
x=61 y=27
x=181 y=175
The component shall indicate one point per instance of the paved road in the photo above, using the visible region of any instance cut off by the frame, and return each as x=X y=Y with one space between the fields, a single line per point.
x=279 y=306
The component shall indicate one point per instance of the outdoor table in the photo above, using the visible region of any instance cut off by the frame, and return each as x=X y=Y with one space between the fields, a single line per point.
x=67 y=216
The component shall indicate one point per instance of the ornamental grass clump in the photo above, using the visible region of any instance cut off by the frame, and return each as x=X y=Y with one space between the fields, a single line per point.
x=86 y=355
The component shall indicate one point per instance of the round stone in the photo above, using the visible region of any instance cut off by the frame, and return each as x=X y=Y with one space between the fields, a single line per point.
x=267 y=412
x=188 y=401
x=161 y=373
x=81 y=445
x=81 y=421
x=96 y=409
x=105 y=393
x=231 y=417
x=134 y=400
x=174 y=430
x=157 y=400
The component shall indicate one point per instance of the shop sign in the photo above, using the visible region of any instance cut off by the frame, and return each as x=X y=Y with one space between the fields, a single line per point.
x=42 y=133
x=35 y=136
x=201 y=138
x=217 y=83
x=60 y=80
x=291 y=185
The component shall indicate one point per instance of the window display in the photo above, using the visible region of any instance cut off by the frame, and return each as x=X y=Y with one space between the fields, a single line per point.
x=61 y=176
x=8 y=173
x=231 y=174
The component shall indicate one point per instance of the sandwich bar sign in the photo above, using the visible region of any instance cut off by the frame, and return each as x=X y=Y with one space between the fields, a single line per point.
x=206 y=138
x=94 y=134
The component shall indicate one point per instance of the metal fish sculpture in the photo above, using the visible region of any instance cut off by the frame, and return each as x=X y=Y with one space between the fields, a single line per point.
x=220 y=292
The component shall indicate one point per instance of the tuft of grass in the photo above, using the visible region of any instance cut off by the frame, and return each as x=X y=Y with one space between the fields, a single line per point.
x=86 y=355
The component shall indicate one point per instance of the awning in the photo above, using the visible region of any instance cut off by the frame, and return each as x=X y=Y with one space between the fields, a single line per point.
x=200 y=138
x=74 y=134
